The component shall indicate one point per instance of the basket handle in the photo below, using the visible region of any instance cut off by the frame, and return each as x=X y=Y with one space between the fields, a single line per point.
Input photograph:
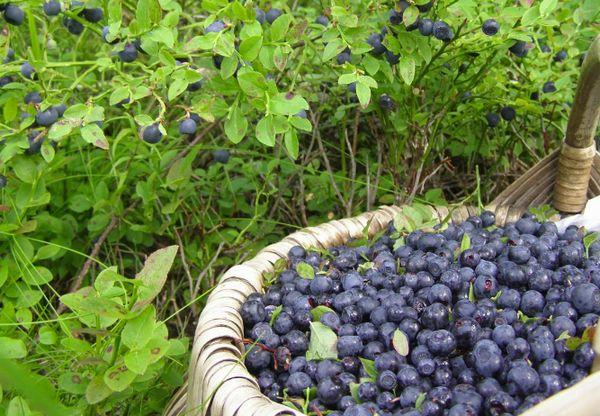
x=577 y=154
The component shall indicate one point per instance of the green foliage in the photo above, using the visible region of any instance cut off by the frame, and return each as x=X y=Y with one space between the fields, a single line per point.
x=308 y=141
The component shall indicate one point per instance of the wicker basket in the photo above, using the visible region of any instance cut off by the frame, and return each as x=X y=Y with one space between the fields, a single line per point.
x=218 y=383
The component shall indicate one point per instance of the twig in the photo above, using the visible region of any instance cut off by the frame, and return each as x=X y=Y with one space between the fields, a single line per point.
x=326 y=160
x=88 y=263
x=114 y=221
x=185 y=151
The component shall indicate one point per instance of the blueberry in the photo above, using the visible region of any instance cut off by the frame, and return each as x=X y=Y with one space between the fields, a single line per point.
x=441 y=342
x=503 y=335
x=501 y=403
x=257 y=359
x=490 y=27
x=13 y=15
x=93 y=15
x=374 y=40
x=586 y=298
x=221 y=156
x=408 y=376
x=3 y=181
x=551 y=384
x=508 y=113
x=215 y=27
x=129 y=53
x=187 y=126
x=367 y=391
x=73 y=26
x=562 y=324
x=560 y=56
x=349 y=346
x=329 y=392
x=492 y=119
x=488 y=358
x=297 y=383
x=27 y=70
x=296 y=341
x=548 y=87
x=469 y=258
x=260 y=15
x=273 y=14
x=343 y=58
x=519 y=48
x=524 y=379
x=386 y=380
x=485 y=286
x=409 y=396
x=322 y=20
x=584 y=355
x=392 y=58
x=52 y=8
x=442 y=31
x=46 y=118
x=426 y=27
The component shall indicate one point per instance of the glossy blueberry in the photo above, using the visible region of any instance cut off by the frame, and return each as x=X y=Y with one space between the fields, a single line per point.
x=51 y=8
x=129 y=53
x=272 y=14
x=508 y=113
x=322 y=20
x=442 y=31
x=46 y=118
x=490 y=27
x=13 y=15
x=493 y=119
x=425 y=27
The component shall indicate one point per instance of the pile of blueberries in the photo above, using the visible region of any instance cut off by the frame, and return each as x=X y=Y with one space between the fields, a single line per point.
x=492 y=330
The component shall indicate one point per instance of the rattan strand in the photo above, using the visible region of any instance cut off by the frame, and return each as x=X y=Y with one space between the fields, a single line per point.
x=574 y=170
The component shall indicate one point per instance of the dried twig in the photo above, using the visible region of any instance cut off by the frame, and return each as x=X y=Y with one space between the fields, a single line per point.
x=326 y=160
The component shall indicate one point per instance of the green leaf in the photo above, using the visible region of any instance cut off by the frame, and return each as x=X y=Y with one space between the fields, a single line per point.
x=93 y=134
x=588 y=240
x=563 y=335
x=400 y=342
x=137 y=361
x=229 y=66
x=287 y=104
x=364 y=94
x=118 y=377
x=471 y=292
x=154 y=274
x=280 y=27
x=252 y=83
x=305 y=270
x=250 y=47
x=177 y=87
x=322 y=344
x=465 y=243
x=25 y=169
x=275 y=314
x=236 y=125
x=369 y=366
x=138 y=331
x=319 y=311
x=333 y=48
x=301 y=123
x=18 y=407
x=410 y=15
x=354 y=392
x=147 y=13
x=265 y=131
x=290 y=140
x=12 y=348
x=406 y=65
x=420 y=401
x=225 y=45
x=547 y=7
x=72 y=382
x=346 y=79
x=47 y=335
x=368 y=81
x=97 y=390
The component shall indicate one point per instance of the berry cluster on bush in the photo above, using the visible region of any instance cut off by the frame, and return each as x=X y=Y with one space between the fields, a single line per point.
x=468 y=319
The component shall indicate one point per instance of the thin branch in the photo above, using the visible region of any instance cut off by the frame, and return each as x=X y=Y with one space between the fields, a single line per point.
x=326 y=160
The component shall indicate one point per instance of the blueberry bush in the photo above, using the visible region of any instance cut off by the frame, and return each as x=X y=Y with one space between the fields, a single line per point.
x=132 y=126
